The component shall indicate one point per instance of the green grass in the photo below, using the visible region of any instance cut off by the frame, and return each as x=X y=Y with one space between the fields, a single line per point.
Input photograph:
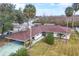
x=59 y=48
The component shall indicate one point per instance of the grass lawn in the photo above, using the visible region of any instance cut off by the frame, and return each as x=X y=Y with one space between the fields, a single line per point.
x=60 y=48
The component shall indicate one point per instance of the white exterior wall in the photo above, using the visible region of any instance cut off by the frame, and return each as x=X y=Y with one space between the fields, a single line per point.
x=55 y=34
x=20 y=27
x=37 y=38
x=15 y=30
x=67 y=35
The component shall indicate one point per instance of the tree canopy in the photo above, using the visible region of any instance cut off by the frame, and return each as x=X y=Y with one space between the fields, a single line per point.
x=6 y=15
x=19 y=17
x=75 y=6
x=29 y=11
x=69 y=11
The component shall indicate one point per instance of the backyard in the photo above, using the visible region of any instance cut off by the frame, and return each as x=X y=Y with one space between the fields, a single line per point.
x=60 y=48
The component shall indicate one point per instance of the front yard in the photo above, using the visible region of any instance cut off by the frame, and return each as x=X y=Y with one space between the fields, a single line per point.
x=60 y=48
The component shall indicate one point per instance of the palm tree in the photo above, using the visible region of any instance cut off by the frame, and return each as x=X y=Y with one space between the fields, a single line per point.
x=29 y=12
x=75 y=6
x=69 y=13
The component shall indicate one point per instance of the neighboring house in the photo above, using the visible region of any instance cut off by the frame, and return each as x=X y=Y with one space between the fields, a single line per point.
x=38 y=31
x=19 y=27
x=22 y=27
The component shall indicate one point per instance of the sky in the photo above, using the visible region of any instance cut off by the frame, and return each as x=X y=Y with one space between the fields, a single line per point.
x=48 y=9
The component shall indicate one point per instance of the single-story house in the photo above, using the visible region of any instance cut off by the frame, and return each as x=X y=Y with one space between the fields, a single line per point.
x=38 y=31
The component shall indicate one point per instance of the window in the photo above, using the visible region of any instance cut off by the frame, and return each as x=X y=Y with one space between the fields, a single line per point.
x=60 y=35
x=44 y=33
x=33 y=38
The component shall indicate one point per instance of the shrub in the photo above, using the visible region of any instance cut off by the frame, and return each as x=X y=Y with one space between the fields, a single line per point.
x=49 y=39
x=20 y=52
x=12 y=54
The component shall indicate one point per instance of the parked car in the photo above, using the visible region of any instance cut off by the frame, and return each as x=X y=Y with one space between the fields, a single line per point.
x=2 y=36
x=7 y=33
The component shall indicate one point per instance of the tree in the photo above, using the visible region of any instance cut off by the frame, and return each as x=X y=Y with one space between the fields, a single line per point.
x=49 y=39
x=19 y=17
x=29 y=12
x=75 y=6
x=6 y=15
x=69 y=13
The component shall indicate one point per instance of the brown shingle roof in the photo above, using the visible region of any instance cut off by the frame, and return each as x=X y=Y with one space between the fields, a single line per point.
x=24 y=35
